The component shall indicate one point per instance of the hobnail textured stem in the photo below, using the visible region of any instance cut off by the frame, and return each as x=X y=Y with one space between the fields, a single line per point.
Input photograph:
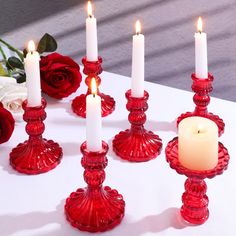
x=201 y=98
x=195 y=201
x=94 y=208
x=36 y=155
x=137 y=144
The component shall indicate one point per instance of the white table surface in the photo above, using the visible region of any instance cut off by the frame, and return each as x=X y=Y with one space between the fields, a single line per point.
x=33 y=205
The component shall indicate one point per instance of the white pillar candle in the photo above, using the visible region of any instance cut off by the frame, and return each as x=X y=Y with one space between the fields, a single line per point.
x=91 y=35
x=137 y=80
x=201 y=66
x=93 y=120
x=198 y=143
x=32 y=71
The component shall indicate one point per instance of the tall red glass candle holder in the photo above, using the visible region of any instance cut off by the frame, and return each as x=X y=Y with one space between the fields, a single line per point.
x=36 y=155
x=137 y=144
x=202 y=88
x=195 y=201
x=93 y=69
x=94 y=208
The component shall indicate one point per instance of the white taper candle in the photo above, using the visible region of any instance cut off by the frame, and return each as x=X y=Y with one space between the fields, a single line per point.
x=91 y=35
x=93 y=120
x=201 y=66
x=137 y=80
x=32 y=71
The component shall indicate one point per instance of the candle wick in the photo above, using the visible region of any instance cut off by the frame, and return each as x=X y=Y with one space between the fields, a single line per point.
x=31 y=52
x=138 y=33
x=94 y=95
x=90 y=16
x=199 y=31
x=198 y=131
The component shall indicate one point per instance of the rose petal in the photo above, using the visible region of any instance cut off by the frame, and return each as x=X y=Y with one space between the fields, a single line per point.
x=60 y=75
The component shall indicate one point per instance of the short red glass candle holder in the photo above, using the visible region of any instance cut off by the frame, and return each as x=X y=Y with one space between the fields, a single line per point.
x=202 y=88
x=36 y=155
x=195 y=201
x=92 y=70
x=94 y=208
x=137 y=144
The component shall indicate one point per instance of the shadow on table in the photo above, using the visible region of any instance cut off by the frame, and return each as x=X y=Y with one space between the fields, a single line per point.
x=152 y=125
x=4 y=163
x=70 y=149
x=11 y=224
x=59 y=103
x=170 y=218
x=161 y=125
x=55 y=103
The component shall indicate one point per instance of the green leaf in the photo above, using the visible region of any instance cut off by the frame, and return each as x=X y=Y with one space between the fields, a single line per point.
x=2 y=70
x=47 y=44
x=14 y=62
x=20 y=55
x=21 y=78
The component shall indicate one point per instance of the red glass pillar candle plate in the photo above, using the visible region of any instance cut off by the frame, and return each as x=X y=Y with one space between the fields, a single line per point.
x=36 y=155
x=137 y=144
x=195 y=201
x=202 y=88
x=92 y=70
x=94 y=208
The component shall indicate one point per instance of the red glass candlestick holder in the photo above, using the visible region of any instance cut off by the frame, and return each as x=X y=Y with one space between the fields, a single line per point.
x=92 y=70
x=94 y=208
x=36 y=155
x=202 y=88
x=137 y=144
x=195 y=201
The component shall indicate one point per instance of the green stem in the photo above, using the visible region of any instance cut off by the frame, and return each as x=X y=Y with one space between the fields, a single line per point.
x=13 y=49
x=3 y=54
x=5 y=60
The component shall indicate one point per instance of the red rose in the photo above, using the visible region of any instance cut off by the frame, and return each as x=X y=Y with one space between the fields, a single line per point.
x=7 y=124
x=60 y=75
